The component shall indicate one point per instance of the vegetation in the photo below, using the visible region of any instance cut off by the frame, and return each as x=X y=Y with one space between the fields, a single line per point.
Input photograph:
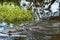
x=36 y=2
x=14 y=15
x=16 y=2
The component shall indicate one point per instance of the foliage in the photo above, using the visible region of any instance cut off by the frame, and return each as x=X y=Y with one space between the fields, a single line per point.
x=36 y=2
x=16 y=2
x=14 y=15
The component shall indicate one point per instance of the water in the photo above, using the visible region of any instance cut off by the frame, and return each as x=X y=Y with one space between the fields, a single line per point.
x=4 y=29
x=41 y=34
x=6 y=38
x=34 y=35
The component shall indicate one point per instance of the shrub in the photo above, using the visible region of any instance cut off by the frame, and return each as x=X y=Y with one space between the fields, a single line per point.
x=14 y=15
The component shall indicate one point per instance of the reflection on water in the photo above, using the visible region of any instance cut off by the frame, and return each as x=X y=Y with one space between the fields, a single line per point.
x=36 y=34
x=6 y=38
x=51 y=33
x=3 y=35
